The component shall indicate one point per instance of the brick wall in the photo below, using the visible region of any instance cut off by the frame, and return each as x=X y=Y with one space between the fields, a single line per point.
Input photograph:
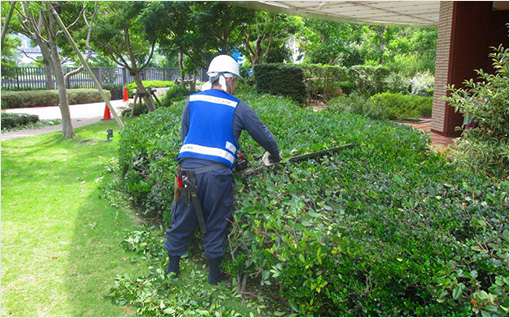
x=444 y=34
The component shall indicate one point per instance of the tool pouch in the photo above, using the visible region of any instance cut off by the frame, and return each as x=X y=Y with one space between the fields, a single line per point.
x=189 y=184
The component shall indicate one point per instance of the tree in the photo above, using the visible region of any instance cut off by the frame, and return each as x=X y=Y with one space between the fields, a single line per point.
x=265 y=30
x=195 y=31
x=37 y=22
x=328 y=42
x=119 y=34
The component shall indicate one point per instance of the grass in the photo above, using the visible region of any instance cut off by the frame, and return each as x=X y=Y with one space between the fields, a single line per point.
x=61 y=238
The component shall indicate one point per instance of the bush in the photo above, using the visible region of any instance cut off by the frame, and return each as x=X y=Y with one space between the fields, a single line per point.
x=176 y=93
x=323 y=81
x=385 y=229
x=485 y=148
x=358 y=104
x=383 y=106
x=397 y=83
x=422 y=84
x=11 y=120
x=139 y=110
x=368 y=79
x=49 y=98
x=117 y=90
x=152 y=84
x=281 y=79
x=400 y=106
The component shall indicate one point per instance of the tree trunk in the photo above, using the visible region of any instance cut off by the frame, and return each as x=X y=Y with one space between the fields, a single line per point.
x=143 y=91
x=181 y=67
x=67 y=125
x=49 y=77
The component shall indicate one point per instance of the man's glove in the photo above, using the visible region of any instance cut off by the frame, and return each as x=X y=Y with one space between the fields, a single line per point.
x=270 y=160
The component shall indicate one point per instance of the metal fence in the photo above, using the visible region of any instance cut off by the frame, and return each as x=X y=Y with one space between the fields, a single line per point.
x=26 y=78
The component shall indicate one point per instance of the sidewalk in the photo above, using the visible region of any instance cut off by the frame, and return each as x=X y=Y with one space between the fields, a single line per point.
x=81 y=115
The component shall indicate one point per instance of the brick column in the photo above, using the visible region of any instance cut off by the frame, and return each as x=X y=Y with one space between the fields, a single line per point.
x=463 y=46
x=444 y=33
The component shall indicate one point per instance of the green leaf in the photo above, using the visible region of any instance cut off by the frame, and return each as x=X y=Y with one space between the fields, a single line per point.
x=457 y=292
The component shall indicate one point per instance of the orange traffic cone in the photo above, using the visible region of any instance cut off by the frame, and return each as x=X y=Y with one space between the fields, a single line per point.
x=125 y=94
x=107 y=115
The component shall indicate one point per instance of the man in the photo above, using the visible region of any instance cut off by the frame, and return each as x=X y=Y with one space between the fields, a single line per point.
x=212 y=122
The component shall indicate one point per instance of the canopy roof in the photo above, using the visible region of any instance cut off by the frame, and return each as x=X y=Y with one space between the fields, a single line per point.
x=419 y=13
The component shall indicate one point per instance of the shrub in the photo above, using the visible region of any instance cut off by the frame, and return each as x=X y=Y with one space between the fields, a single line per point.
x=117 y=90
x=139 y=110
x=358 y=104
x=11 y=120
x=175 y=93
x=323 y=81
x=397 y=83
x=385 y=229
x=422 y=84
x=485 y=148
x=400 y=106
x=49 y=98
x=368 y=79
x=152 y=84
x=147 y=158
x=281 y=79
x=383 y=106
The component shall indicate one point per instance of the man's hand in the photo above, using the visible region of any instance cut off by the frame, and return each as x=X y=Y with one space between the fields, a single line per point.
x=270 y=160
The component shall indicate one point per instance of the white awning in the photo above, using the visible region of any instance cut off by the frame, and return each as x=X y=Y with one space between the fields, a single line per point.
x=418 y=13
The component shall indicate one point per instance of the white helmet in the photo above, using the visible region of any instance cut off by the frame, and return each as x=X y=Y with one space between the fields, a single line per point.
x=223 y=64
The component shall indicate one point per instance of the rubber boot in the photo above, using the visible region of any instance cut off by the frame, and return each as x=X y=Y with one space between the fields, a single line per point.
x=173 y=265
x=215 y=275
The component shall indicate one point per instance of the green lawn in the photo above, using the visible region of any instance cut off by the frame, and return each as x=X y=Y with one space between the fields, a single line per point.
x=60 y=240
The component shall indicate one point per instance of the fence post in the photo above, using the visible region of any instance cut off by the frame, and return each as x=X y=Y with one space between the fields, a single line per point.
x=97 y=73
x=124 y=76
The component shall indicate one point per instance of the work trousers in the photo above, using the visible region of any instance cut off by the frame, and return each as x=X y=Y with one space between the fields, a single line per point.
x=216 y=195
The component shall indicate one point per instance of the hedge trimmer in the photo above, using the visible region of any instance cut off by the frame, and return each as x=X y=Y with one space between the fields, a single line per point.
x=252 y=171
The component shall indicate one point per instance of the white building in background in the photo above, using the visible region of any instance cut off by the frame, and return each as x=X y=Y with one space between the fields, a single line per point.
x=26 y=53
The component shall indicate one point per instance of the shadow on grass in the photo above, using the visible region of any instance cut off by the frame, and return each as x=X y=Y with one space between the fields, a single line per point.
x=96 y=257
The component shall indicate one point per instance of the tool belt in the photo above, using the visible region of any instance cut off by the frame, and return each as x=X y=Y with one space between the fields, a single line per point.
x=186 y=185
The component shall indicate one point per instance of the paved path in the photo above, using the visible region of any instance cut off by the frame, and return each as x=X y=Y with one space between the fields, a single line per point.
x=81 y=115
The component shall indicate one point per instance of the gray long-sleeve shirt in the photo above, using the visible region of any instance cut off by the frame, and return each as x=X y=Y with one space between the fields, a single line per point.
x=244 y=119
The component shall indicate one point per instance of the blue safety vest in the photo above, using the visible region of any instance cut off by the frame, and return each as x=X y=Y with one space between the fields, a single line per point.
x=210 y=134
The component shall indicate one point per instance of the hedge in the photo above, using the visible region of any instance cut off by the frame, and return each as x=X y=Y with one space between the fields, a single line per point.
x=49 y=98
x=400 y=106
x=385 y=229
x=383 y=106
x=324 y=81
x=281 y=79
x=153 y=84
x=10 y=120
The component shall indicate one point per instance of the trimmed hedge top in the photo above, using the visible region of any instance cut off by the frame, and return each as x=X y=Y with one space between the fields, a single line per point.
x=50 y=97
